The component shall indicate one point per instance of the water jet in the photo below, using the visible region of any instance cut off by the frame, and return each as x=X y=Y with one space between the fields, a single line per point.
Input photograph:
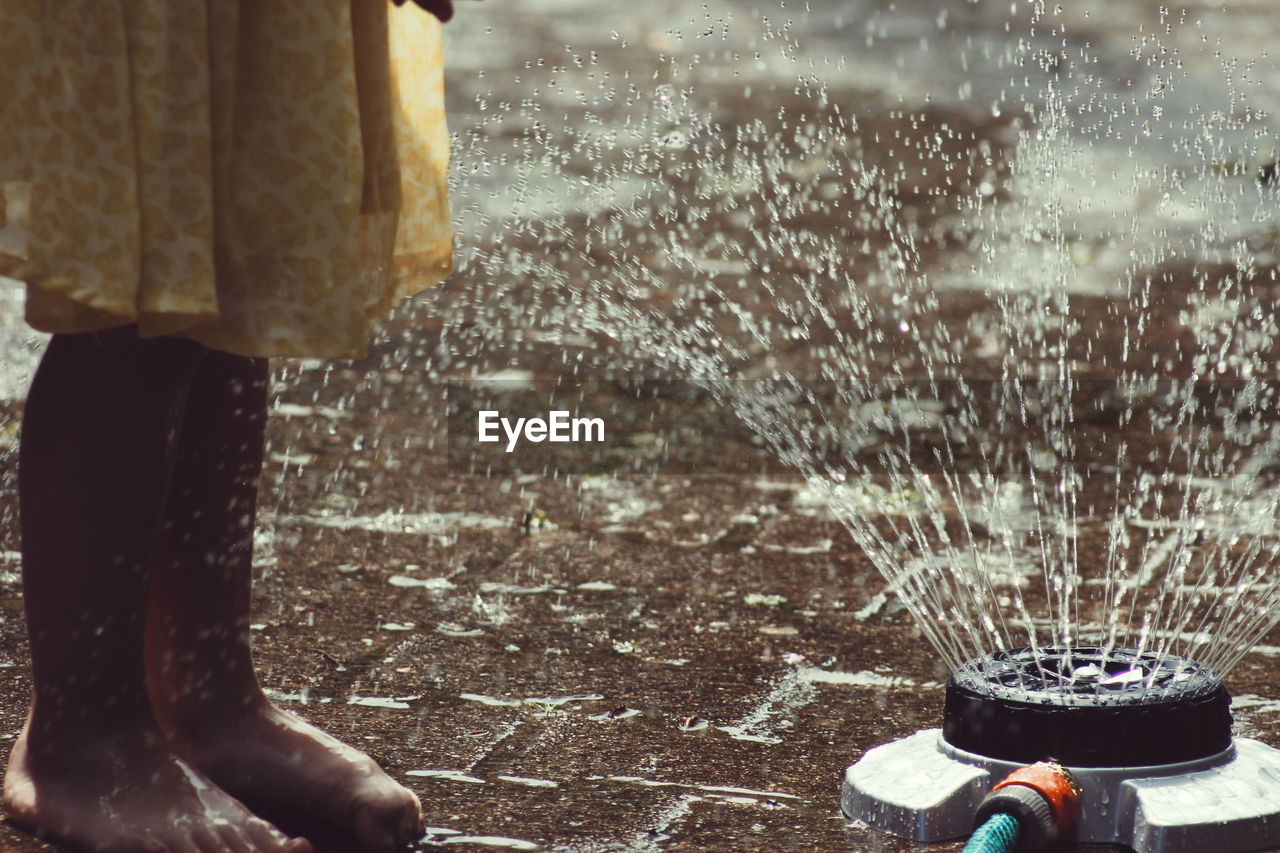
x=1146 y=735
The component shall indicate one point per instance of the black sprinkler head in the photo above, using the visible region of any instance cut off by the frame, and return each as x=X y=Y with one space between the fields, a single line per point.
x=1087 y=707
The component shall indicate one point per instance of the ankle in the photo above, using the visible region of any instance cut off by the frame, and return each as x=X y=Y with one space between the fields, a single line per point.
x=64 y=718
x=62 y=750
x=211 y=712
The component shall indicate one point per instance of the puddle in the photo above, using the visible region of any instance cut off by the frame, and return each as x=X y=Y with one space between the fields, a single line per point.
x=558 y=701
x=453 y=629
x=490 y=586
x=493 y=701
x=293 y=410
x=447 y=775
x=741 y=733
x=398 y=703
x=829 y=501
x=1255 y=704
x=431 y=584
x=529 y=782
x=499 y=841
x=865 y=678
x=766 y=600
x=872 y=607
x=622 y=501
x=822 y=547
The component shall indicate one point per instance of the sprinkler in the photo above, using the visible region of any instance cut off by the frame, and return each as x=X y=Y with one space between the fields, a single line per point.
x=1143 y=740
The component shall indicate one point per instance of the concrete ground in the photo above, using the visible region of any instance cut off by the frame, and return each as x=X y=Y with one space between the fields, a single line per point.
x=664 y=663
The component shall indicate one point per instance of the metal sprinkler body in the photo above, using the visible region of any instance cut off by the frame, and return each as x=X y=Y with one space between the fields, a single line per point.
x=1146 y=735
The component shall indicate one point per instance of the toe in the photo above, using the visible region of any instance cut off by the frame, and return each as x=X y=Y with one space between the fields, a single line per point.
x=372 y=830
x=235 y=839
x=265 y=838
x=208 y=840
x=182 y=843
x=263 y=835
x=412 y=824
x=389 y=818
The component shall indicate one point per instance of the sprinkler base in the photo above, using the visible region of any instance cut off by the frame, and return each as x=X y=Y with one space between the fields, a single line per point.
x=924 y=789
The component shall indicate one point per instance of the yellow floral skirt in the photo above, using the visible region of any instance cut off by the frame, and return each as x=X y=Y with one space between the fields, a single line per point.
x=266 y=177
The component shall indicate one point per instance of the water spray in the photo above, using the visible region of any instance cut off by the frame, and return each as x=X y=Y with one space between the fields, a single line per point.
x=1093 y=745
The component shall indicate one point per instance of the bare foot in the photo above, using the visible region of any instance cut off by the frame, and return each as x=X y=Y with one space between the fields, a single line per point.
x=126 y=793
x=281 y=766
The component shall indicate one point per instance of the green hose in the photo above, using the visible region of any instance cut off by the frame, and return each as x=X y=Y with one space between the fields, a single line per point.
x=998 y=835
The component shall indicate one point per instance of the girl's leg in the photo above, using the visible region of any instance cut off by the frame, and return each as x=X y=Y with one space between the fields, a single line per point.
x=92 y=767
x=198 y=646
x=201 y=674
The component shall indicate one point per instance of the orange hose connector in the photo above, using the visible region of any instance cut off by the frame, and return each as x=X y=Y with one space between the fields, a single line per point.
x=1053 y=782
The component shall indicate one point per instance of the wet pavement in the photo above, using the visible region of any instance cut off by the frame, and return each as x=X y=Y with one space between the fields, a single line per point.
x=635 y=689
x=666 y=663
x=607 y=661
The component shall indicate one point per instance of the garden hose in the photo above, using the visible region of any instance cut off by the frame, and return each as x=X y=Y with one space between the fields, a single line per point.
x=998 y=835
x=1032 y=808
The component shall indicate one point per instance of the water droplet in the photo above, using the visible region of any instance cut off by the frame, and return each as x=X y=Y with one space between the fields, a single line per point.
x=675 y=138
